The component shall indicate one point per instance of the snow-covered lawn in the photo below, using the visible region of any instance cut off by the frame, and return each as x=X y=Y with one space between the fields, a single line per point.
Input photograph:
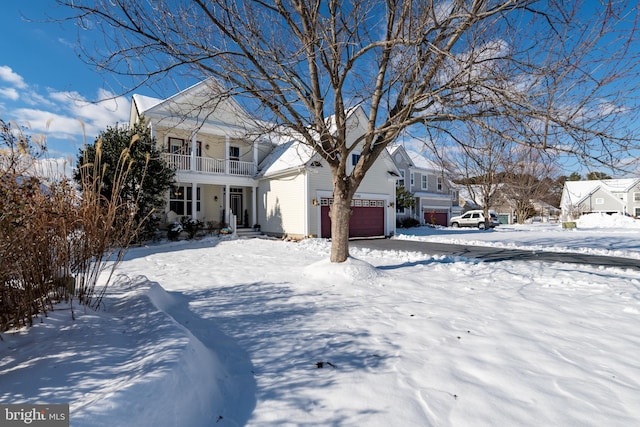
x=269 y=333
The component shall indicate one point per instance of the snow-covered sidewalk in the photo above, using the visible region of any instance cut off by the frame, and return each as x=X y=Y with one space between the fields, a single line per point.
x=269 y=333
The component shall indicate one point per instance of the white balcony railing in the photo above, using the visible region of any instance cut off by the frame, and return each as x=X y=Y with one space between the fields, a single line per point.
x=183 y=162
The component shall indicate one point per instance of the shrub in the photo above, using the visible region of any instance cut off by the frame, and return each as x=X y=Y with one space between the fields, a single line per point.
x=148 y=177
x=191 y=226
x=407 y=222
x=56 y=242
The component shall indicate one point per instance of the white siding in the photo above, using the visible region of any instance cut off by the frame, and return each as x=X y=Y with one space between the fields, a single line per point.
x=280 y=205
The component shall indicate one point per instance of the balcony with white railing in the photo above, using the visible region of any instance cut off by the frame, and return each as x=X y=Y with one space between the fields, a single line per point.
x=208 y=165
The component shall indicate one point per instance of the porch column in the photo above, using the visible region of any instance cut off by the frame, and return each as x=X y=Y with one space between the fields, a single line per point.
x=254 y=210
x=194 y=150
x=194 y=200
x=227 y=204
x=226 y=158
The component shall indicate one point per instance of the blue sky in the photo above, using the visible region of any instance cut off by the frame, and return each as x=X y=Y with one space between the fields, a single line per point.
x=45 y=87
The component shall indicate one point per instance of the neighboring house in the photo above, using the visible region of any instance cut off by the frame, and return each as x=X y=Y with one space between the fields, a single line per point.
x=222 y=176
x=436 y=197
x=607 y=195
x=296 y=190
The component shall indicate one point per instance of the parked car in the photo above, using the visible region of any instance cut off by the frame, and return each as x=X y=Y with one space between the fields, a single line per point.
x=475 y=218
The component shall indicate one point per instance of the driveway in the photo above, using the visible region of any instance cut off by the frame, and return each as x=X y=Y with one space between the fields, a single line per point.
x=492 y=254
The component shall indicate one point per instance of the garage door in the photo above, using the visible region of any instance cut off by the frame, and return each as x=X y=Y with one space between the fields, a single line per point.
x=366 y=220
x=435 y=217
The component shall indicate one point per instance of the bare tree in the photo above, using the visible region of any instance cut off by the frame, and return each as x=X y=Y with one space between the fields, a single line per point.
x=548 y=66
x=477 y=160
x=527 y=180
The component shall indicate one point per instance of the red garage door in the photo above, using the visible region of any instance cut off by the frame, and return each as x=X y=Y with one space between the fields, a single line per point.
x=436 y=218
x=366 y=220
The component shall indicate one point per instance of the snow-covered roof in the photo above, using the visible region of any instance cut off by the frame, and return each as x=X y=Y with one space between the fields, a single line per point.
x=418 y=160
x=576 y=191
x=145 y=103
x=286 y=156
x=291 y=153
x=421 y=162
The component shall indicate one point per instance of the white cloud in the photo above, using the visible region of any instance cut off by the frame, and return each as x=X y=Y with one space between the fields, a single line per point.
x=9 y=92
x=31 y=97
x=76 y=119
x=67 y=119
x=9 y=76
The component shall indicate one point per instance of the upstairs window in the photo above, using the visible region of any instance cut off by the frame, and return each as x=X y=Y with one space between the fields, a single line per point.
x=636 y=197
x=354 y=159
x=401 y=180
x=234 y=153
x=440 y=184
x=177 y=146
x=424 y=182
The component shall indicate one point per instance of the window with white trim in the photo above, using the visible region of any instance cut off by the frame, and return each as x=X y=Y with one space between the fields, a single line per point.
x=177 y=146
x=599 y=201
x=440 y=184
x=180 y=198
x=401 y=180
x=411 y=179
x=234 y=152
x=636 y=197
x=636 y=212
x=424 y=182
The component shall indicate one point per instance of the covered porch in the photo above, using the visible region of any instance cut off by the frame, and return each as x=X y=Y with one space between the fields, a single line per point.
x=216 y=205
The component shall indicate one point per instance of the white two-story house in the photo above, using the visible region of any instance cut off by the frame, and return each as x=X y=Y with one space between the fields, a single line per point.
x=228 y=171
x=204 y=138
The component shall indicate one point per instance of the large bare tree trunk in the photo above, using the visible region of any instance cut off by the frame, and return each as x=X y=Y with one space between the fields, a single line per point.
x=340 y=213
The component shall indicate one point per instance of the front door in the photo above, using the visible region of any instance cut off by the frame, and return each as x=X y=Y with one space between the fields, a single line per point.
x=236 y=207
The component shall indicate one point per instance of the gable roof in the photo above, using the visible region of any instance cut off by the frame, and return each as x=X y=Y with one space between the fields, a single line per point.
x=286 y=156
x=578 y=191
x=421 y=162
x=416 y=160
x=206 y=102
x=291 y=153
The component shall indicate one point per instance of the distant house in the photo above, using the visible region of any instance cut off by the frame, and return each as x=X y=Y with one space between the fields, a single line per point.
x=436 y=197
x=608 y=196
x=228 y=172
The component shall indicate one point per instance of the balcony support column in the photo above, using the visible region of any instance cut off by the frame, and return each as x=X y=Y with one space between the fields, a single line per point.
x=194 y=200
x=194 y=150
x=227 y=143
x=255 y=157
x=227 y=203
